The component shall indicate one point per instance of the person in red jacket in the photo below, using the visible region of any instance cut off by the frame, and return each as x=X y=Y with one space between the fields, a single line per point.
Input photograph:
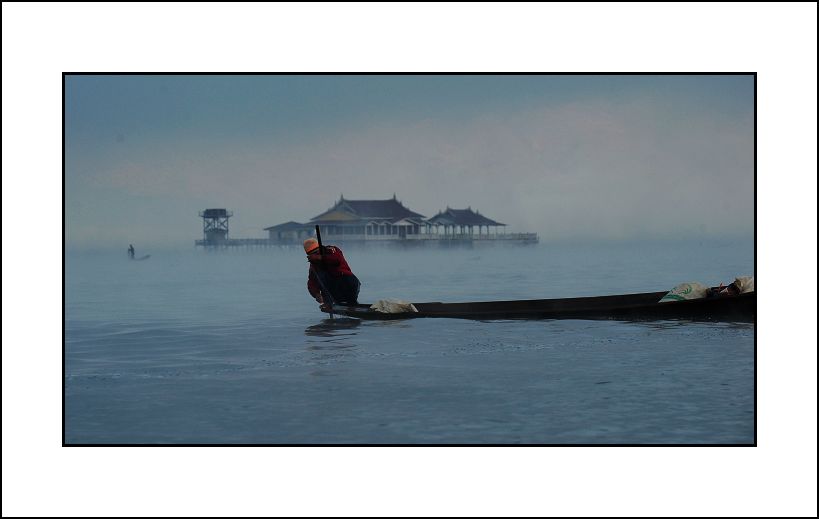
x=330 y=271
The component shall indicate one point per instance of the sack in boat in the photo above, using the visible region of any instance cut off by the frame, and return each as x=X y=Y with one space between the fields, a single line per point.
x=393 y=306
x=745 y=284
x=685 y=291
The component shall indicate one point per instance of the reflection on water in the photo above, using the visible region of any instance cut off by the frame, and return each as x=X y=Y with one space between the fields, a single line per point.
x=334 y=345
x=333 y=328
x=670 y=324
x=390 y=324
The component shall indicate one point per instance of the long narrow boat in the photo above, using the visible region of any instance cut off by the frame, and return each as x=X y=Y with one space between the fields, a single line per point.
x=626 y=307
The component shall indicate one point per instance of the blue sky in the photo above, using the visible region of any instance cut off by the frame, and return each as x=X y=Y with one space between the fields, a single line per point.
x=570 y=157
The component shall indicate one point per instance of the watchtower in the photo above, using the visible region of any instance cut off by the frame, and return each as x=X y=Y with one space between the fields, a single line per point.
x=215 y=225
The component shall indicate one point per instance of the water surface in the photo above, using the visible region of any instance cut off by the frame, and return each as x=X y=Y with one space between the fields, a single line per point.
x=228 y=348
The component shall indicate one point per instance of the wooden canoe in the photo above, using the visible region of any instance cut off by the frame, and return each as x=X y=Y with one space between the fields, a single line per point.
x=626 y=307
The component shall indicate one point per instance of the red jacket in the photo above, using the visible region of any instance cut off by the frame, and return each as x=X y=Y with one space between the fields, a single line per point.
x=334 y=265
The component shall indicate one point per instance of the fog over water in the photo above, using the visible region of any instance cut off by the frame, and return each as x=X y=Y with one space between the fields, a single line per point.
x=568 y=157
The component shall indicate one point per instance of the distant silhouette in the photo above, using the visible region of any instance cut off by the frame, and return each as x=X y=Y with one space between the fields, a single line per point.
x=131 y=251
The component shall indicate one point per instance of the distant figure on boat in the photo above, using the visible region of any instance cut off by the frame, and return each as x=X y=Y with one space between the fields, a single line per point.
x=131 y=251
x=329 y=271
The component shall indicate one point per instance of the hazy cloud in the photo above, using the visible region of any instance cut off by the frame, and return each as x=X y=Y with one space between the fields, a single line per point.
x=589 y=168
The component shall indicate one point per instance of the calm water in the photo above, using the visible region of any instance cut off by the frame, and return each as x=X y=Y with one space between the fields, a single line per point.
x=196 y=347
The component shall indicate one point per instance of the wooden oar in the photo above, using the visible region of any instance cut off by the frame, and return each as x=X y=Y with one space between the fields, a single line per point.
x=327 y=296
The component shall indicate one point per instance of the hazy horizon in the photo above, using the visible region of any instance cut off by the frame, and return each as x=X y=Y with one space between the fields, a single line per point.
x=570 y=157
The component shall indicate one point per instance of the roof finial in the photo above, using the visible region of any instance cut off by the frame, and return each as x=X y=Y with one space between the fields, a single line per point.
x=393 y=196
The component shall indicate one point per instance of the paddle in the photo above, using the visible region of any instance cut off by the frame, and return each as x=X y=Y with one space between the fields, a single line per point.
x=328 y=298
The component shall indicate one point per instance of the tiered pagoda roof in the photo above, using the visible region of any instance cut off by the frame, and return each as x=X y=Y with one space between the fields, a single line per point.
x=344 y=210
x=391 y=211
x=462 y=217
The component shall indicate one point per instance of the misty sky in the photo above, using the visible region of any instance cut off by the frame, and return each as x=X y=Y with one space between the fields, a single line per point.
x=568 y=157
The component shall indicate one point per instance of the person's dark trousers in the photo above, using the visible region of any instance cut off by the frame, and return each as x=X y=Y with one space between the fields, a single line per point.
x=344 y=289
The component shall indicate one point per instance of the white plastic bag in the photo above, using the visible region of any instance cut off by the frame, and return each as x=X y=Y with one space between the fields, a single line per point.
x=393 y=306
x=745 y=284
x=685 y=291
